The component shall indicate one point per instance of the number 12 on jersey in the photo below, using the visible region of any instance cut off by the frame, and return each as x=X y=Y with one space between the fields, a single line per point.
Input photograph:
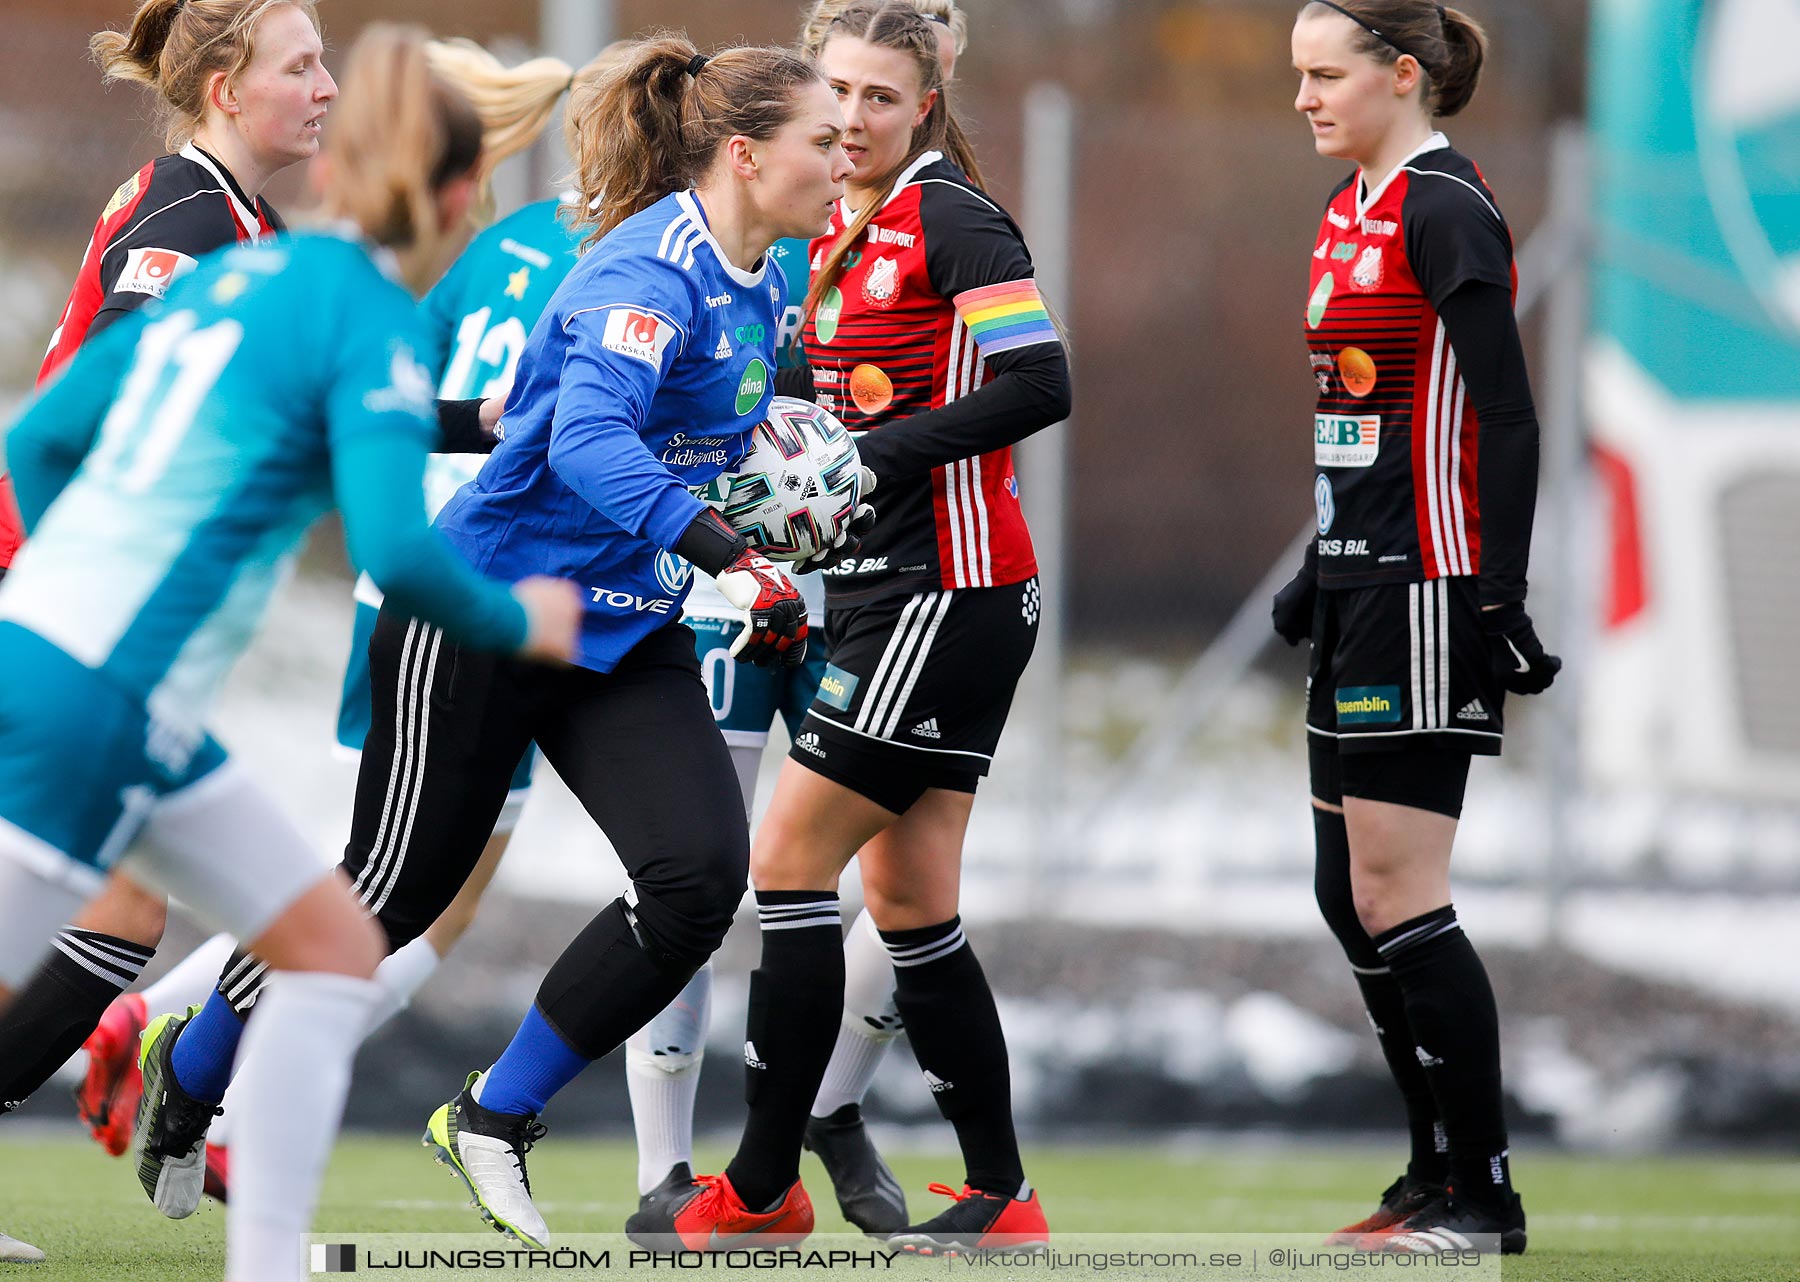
x=498 y=348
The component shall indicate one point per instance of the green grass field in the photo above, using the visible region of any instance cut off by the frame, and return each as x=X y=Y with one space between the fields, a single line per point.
x=1592 y=1219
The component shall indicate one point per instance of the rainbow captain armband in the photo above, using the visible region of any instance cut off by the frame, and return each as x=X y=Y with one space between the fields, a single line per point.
x=1006 y=317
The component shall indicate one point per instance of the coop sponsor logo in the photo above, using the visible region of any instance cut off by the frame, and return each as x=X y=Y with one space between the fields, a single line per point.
x=1368 y=705
x=1346 y=440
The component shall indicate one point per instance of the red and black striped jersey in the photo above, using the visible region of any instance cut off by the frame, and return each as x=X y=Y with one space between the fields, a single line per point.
x=937 y=301
x=159 y=221
x=1395 y=435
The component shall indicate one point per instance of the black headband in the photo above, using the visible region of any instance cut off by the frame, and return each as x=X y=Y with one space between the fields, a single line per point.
x=1375 y=31
x=698 y=61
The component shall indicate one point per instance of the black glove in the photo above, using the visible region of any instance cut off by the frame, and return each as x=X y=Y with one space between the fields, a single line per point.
x=850 y=537
x=1293 y=610
x=1518 y=655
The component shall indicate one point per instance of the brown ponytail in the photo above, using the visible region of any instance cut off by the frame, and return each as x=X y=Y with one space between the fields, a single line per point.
x=398 y=135
x=1447 y=43
x=649 y=126
x=175 y=47
x=894 y=24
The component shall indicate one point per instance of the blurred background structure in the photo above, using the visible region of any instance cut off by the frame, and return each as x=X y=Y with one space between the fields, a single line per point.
x=1140 y=864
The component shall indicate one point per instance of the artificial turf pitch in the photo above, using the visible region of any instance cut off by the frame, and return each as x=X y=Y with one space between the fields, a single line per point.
x=1592 y=1219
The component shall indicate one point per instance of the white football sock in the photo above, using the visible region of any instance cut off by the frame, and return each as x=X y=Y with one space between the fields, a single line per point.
x=871 y=1020
x=191 y=980
x=295 y=1072
x=662 y=1071
x=400 y=975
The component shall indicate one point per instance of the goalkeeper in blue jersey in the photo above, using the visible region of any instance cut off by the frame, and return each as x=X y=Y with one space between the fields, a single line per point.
x=165 y=481
x=590 y=481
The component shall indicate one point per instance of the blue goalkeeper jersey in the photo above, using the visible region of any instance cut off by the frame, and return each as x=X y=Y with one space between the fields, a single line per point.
x=642 y=379
x=272 y=382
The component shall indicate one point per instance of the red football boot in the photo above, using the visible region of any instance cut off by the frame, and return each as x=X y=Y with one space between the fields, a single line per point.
x=107 y=1098
x=712 y=1217
x=218 y=1171
x=977 y=1223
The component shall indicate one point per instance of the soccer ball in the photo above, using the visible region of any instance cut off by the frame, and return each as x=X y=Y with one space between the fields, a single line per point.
x=798 y=487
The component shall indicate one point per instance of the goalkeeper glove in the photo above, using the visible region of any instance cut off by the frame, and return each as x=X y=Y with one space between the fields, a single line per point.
x=775 y=616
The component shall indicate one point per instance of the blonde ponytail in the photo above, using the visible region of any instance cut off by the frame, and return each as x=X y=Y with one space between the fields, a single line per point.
x=398 y=135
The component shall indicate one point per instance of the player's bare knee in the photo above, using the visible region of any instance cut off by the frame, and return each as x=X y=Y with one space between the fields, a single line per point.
x=128 y=911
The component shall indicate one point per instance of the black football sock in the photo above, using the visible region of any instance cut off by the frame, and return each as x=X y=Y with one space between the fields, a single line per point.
x=1456 y=1034
x=52 y=1014
x=1386 y=1006
x=948 y=1009
x=796 y=1003
x=1381 y=995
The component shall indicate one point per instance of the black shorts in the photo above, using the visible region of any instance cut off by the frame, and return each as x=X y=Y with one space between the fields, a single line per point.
x=918 y=689
x=1400 y=665
x=637 y=746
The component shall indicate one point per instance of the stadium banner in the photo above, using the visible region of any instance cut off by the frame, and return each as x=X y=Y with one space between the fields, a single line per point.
x=1692 y=388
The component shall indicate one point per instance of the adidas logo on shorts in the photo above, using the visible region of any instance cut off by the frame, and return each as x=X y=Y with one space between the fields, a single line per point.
x=937 y=1084
x=927 y=729
x=750 y=1059
x=1473 y=711
x=1426 y=1058
x=809 y=742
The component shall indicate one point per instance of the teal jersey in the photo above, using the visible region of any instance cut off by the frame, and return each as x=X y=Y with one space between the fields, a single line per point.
x=790 y=256
x=273 y=382
x=479 y=315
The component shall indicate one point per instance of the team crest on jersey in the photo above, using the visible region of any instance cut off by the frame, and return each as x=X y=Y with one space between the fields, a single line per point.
x=637 y=335
x=882 y=285
x=151 y=271
x=1367 y=273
